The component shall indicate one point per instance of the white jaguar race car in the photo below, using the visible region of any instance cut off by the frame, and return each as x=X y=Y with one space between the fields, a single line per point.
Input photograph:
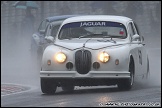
x=94 y=50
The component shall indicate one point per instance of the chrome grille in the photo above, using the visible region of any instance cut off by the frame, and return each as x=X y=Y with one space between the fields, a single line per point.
x=83 y=61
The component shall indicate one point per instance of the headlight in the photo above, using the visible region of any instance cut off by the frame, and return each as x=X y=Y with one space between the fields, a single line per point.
x=60 y=57
x=104 y=57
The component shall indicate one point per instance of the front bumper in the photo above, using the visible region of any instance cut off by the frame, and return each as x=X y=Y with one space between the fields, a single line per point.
x=91 y=74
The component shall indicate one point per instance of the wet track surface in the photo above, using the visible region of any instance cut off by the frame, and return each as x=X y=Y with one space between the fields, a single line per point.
x=90 y=97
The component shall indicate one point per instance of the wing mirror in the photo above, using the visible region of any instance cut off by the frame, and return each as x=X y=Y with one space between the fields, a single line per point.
x=49 y=39
x=135 y=37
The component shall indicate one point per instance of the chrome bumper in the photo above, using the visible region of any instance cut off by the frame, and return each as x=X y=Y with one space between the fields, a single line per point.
x=91 y=74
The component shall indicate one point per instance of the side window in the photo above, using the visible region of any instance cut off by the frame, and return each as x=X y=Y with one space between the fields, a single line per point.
x=47 y=29
x=42 y=25
x=131 y=29
x=54 y=30
x=137 y=30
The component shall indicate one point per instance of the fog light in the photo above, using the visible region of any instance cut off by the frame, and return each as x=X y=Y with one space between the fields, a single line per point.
x=69 y=65
x=49 y=62
x=117 y=61
x=96 y=65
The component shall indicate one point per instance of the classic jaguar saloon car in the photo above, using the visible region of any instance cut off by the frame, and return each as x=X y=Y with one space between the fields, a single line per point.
x=94 y=50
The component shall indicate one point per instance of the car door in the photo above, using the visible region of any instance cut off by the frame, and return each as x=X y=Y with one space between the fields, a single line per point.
x=141 y=52
x=136 y=49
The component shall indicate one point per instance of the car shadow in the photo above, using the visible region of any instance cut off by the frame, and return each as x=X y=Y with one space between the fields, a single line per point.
x=89 y=90
x=101 y=89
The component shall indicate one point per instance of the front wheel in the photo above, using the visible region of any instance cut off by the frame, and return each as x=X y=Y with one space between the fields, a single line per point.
x=48 y=86
x=126 y=84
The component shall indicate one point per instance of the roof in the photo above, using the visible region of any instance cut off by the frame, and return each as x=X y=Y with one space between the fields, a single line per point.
x=121 y=19
x=61 y=17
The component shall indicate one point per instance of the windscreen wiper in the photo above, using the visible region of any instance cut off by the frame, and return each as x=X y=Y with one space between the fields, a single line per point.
x=89 y=35
x=107 y=40
x=103 y=35
x=88 y=39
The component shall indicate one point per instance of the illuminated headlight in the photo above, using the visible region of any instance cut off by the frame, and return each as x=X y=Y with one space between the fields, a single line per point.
x=104 y=57
x=60 y=57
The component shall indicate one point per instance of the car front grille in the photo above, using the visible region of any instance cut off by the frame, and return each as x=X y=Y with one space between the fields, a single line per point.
x=83 y=61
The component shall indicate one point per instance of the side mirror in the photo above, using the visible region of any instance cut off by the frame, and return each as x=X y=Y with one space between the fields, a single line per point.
x=135 y=37
x=42 y=32
x=49 y=39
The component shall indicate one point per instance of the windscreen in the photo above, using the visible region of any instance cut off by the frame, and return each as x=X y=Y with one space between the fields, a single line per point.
x=84 y=29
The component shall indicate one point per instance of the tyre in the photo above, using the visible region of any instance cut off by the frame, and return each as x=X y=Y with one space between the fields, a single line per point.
x=48 y=86
x=126 y=84
x=148 y=69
